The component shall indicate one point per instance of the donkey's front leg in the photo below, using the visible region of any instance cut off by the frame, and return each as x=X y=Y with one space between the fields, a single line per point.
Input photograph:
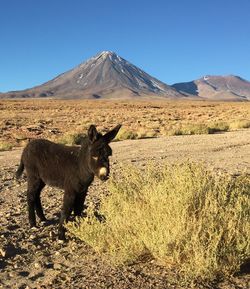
x=67 y=208
x=79 y=202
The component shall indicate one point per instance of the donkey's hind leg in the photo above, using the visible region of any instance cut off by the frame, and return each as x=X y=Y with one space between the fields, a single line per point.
x=38 y=205
x=35 y=185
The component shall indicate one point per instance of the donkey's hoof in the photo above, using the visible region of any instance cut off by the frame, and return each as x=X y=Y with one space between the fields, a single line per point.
x=61 y=241
x=61 y=236
x=45 y=222
x=33 y=227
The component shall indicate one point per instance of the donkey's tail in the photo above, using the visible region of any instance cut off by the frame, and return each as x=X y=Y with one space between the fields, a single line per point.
x=20 y=170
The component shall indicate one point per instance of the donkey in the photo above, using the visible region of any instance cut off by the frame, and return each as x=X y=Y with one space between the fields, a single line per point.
x=70 y=168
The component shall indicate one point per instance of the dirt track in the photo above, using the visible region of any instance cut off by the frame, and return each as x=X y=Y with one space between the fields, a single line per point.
x=34 y=259
x=228 y=151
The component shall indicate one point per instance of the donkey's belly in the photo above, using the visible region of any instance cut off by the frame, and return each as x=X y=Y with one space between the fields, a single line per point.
x=53 y=181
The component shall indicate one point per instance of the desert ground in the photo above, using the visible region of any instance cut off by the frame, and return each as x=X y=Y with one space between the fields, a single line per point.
x=34 y=258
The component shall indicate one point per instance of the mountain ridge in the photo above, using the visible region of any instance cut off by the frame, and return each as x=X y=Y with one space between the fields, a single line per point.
x=107 y=75
x=216 y=87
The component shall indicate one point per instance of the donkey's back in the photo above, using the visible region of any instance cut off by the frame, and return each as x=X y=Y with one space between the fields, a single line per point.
x=49 y=161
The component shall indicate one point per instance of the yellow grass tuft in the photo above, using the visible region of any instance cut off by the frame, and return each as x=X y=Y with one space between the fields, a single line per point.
x=182 y=215
x=239 y=124
x=5 y=146
x=71 y=138
x=124 y=134
x=200 y=128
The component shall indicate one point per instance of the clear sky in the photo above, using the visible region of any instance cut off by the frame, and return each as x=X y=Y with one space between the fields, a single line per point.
x=174 y=41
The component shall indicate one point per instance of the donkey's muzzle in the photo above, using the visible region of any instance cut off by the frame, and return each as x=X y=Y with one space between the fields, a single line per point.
x=103 y=174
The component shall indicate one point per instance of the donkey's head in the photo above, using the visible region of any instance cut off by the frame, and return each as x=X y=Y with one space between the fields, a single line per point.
x=99 y=151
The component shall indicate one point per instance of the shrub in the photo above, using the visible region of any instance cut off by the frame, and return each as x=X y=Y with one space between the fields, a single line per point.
x=218 y=127
x=143 y=133
x=72 y=138
x=5 y=146
x=239 y=124
x=181 y=215
x=195 y=129
x=175 y=131
x=191 y=129
x=124 y=134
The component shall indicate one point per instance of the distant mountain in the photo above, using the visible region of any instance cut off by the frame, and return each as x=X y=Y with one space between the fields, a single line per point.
x=211 y=87
x=106 y=75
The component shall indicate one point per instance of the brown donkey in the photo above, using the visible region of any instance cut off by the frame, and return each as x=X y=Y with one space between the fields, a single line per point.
x=70 y=168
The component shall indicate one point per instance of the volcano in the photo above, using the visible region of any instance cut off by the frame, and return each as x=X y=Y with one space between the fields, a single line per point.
x=105 y=75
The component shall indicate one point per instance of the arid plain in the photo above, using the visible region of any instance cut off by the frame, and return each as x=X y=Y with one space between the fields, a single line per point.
x=21 y=120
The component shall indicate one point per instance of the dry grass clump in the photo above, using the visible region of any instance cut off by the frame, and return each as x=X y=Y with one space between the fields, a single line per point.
x=146 y=133
x=189 y=129
x=182 y=215
x=239 y=124
x=125 y=133
x=71 y=138
x=198 y=128
x=218 y=127
x=139 y=133
x=5 y=146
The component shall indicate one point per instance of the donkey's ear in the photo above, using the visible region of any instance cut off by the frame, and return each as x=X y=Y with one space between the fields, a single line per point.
x=112 y=134
x=92 y=133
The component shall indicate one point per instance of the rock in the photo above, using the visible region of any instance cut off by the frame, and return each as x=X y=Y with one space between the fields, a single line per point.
x=54 y=130
x=38 y=265
x=57 y=266
x=32 y=237
x=2 y=252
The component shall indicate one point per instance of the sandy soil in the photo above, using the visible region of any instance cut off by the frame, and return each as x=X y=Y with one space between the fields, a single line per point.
x=34 y=259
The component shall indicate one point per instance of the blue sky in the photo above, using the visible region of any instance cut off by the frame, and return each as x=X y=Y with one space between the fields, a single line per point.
x=174 y=41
